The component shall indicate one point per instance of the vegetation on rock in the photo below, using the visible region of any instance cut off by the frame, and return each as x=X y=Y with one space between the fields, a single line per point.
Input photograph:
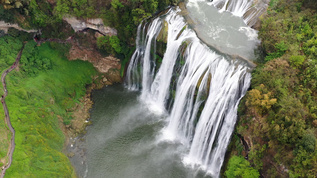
x=110 y=44
x=278 y=115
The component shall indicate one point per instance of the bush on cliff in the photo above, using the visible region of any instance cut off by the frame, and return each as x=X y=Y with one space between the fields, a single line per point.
x=284 y=132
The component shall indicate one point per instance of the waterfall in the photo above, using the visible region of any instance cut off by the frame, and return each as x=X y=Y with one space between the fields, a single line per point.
x=203 y=86
x=237 y=8
x=144 y=56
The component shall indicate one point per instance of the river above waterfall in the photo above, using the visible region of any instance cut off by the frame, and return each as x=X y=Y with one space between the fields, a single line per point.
x=224 y=31
x=124 y=141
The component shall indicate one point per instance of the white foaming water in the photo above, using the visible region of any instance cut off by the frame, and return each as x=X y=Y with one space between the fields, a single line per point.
x=249 y=10
x=251 y=33
x=237 y=8
x=159 y=92
x=144 y=56
x=208 y=90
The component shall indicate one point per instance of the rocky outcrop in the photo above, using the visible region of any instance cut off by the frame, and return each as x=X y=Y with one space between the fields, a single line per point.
x=94 y=24
x=109 y=66
x=102 y=64
x=106 y=65
x=5 y=27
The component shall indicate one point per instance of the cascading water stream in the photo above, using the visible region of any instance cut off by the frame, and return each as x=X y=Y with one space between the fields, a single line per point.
x=238 y=8
x=250 y=10
x=209 y=87
x=144 y=56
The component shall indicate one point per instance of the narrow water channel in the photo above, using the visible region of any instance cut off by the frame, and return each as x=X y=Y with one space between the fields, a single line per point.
x=124 y=141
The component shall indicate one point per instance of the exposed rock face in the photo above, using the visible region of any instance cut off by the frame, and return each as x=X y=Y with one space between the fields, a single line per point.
x=85 y=49
x=5 y=27
x=113 y=76
x=95 y=24
x=107 y=63
x=102 y=64
x=81 y=114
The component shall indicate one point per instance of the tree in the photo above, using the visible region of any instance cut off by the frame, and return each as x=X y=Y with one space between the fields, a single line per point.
x=297 y=60
x=259 y=101
x=110 y=44
x=239 y=167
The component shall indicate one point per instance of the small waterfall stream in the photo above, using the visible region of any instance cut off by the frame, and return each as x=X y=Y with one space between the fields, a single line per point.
x=208 y=88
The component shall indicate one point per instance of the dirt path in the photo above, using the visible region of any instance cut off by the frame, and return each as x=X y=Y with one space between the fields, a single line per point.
x=7 y=117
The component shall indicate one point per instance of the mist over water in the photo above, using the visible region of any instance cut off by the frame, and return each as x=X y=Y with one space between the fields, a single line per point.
x=124 y=140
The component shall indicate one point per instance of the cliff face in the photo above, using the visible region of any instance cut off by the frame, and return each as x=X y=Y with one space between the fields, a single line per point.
x=107 y=65
x=85 y=47
x=94 y=24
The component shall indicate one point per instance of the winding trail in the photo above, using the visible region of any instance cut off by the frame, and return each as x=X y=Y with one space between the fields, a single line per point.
x=5 y=108
x=7 y=117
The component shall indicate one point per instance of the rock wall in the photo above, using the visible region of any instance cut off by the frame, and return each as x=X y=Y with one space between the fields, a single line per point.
x=85 y=48
x=94 y=24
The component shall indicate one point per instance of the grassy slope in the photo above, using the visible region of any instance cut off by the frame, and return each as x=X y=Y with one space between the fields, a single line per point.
x=35 y=102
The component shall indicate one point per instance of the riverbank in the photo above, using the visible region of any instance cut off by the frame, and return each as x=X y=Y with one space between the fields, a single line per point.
x=81 y=113
x=77 y=129
x=84 y=48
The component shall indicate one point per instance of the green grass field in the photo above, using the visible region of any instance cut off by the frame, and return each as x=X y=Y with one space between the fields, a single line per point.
x=45 y=87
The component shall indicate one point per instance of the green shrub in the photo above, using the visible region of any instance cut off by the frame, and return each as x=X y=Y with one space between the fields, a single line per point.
x=288 y=33
x=310 y=46
x=110 y=44
x=239 y=167
x=62 y=7
x=308 y=142
x=6 y=15
x=297 y=61
x=138 y=15
x=116 y=4
x=280 y=48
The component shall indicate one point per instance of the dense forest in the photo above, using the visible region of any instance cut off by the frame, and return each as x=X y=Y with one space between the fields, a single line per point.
x=121 y=14
x=278 y=115
x=277 y=128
